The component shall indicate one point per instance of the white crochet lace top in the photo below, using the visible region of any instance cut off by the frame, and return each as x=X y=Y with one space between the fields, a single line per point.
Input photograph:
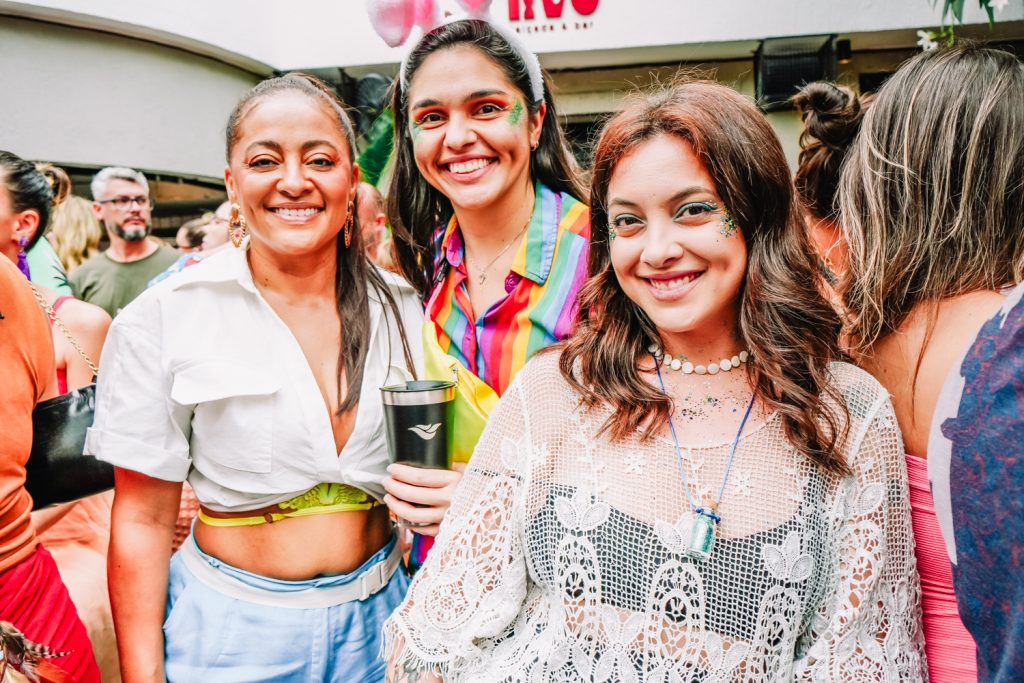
x=563 y=555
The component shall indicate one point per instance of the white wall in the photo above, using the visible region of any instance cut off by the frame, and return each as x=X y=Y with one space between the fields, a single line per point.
x=131 y=84
x=329 y=33
x=82 y=97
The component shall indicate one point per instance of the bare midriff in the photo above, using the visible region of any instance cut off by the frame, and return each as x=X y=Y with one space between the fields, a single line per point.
x=300 y=548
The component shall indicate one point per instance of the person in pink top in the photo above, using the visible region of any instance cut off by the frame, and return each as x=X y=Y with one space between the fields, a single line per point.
x=931 y=199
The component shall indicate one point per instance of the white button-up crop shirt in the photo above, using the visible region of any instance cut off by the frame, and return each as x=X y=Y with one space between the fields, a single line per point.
x=201 y=380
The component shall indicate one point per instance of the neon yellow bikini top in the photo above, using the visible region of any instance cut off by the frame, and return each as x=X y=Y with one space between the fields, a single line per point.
x=322 y=499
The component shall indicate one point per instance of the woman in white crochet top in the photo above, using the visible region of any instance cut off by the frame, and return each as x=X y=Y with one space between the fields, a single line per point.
x=693 y=487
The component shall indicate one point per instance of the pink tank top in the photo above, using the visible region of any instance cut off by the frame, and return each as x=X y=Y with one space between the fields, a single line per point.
x=952 y=656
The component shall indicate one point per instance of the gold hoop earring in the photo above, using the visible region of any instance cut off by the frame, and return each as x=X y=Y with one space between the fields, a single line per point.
x=534 y=146
x=349 y=223
x=237 y=229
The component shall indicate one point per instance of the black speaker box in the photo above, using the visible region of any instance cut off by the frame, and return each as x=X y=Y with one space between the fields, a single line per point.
x=783 y=65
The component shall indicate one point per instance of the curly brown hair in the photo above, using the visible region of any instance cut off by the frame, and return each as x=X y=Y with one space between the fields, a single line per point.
x=791 y=329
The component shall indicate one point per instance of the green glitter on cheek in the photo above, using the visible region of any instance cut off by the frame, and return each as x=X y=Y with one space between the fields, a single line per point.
x=416 y=129
x=515 y=115
x=728 y=224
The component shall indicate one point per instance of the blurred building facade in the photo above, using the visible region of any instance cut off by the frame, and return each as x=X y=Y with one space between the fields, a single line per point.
x=150 y=84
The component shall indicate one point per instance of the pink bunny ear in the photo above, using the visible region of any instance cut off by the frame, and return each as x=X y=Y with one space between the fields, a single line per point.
x=427 y=16
x=392 y=19
x=477 y=9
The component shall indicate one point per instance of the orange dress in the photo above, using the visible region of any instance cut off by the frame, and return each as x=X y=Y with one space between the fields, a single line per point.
x=32 y=595
x=26 y=364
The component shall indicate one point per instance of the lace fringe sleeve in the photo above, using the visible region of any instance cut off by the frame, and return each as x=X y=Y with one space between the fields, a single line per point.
x=473 y=583
x=870 y=627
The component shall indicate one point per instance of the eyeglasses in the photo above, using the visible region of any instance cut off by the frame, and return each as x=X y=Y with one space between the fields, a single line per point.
x=125 y=203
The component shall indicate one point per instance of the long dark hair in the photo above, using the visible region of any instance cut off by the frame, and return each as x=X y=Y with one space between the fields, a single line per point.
x=416 y=208
x=791 y=329
x=36 y=187
x=354 y=275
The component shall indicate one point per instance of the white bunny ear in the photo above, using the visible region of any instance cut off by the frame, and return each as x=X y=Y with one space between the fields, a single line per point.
x=476 y=9
x=392 y=19
x=427 y=15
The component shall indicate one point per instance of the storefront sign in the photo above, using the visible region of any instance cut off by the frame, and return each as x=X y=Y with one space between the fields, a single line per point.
x=524 y=15
x=523 y=9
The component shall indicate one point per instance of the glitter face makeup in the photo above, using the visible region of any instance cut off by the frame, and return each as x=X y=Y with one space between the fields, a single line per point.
x=728 y=224
x=515 y=114
x=668 y=255
x=472 y=130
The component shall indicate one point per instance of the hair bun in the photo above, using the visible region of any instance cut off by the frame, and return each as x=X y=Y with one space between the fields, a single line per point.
x=831 y=114
x=58 y=179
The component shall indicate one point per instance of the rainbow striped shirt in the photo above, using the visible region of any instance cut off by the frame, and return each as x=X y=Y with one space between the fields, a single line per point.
x=540 y=307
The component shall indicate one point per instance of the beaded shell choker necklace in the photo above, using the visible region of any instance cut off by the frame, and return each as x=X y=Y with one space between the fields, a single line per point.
x=688 y=368
x=707 y=519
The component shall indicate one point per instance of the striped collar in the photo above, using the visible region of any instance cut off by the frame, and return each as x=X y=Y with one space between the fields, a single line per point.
x=534 y=256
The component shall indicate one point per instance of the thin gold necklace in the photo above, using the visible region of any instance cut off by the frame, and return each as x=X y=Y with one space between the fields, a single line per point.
x=483 y=273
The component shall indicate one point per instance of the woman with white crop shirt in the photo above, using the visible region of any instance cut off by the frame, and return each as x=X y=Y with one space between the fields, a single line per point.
x=255 y=376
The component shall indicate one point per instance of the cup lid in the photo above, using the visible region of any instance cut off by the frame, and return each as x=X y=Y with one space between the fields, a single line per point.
x=418 y=392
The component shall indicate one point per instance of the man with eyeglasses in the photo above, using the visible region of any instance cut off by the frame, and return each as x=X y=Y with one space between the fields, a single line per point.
x=115 y=277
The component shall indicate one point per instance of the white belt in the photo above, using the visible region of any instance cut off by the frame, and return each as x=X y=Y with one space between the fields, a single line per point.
x=370 y=581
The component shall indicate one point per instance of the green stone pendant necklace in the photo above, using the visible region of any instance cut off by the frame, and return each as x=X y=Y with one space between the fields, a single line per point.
x=707 y=519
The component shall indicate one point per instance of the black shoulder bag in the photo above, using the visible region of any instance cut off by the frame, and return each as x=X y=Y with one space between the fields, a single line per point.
x=57 y=471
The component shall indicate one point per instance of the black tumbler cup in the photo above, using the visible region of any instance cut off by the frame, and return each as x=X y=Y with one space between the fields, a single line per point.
x=416 y=418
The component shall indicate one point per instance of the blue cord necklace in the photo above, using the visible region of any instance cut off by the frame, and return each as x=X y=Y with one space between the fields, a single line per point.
x=702 y=534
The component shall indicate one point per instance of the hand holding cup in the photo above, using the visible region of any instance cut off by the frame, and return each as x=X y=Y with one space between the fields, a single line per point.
x=420 y=485
x=419 y=496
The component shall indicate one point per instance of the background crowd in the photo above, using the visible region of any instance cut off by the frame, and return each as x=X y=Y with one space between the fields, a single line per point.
x=822 y=368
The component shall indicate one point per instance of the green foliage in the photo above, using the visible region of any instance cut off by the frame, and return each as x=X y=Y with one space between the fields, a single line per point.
x=953 y=14
x=955 y=8
x=377 y=148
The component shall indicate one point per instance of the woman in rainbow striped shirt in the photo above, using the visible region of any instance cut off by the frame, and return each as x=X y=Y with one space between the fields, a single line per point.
x=486 y=203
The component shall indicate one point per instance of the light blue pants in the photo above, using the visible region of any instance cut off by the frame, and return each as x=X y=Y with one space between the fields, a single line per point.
x=210 y=636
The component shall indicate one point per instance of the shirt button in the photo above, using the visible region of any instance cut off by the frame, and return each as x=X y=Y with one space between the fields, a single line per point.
x=511 y=281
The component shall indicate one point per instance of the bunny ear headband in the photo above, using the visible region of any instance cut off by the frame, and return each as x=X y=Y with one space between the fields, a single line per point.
x=393 y=21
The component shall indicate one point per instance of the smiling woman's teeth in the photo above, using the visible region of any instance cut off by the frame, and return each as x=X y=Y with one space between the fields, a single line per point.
x=672 y=284
x=468 y=166
x=296 y=213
